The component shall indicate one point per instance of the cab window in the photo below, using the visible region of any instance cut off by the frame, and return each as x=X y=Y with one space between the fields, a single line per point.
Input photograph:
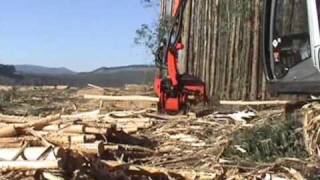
x=290 y=40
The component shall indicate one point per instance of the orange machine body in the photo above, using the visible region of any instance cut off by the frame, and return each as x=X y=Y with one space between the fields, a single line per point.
x=173 y=88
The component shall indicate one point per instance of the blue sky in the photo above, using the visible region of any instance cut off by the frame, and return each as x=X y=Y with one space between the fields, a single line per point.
x=78 y=34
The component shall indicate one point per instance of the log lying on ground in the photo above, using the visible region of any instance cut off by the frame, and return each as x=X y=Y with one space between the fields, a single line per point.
x=123 y=98
x=18 y=141
x=84 y=116
x=110 y=126
x=42 y=122
x=28 y=165
x=9 y=131
x=14 y=130
x=89 y=149
x=117 y=147
x=130 y=114
x=256 y=103
x=130 y=125
x=77 y=129
x=16 y=119
x=67 y=140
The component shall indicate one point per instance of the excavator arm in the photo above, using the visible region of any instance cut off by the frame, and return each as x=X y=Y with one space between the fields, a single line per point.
x=175 y=89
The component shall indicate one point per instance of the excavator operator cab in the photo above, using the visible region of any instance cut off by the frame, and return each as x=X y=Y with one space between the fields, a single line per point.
x=291 y=45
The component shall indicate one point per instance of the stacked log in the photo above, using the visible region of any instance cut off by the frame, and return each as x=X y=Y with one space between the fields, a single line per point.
x=32 y=143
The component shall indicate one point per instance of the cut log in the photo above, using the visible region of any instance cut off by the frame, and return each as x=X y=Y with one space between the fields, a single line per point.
x=28 y=165
x=95 y=149
x=130 y=125
x=76 y=129
x=12 y=145
x=93 y=115
x=40 y=123
x=123 y=98
x=67 y=140
x=256 y=103
x=16 y=119
x=100 y=125
x=9 y=131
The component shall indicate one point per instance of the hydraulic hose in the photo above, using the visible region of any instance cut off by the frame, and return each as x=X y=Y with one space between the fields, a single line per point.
x=177 y=23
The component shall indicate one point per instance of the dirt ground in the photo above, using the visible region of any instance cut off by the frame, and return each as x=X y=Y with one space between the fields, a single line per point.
x=246 y=143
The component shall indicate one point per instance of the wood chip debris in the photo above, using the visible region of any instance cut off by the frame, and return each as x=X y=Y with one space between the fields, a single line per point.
x=55 y=133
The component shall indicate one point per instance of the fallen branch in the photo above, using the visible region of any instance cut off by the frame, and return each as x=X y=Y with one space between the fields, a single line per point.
x=157 y=171
x=256 y=103
x=42 y=122
x=117 y=147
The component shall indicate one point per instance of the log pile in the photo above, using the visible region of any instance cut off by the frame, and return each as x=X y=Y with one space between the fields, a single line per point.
x=84 y=140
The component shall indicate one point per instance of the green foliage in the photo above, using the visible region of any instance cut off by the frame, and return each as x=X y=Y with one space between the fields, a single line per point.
x=149 y=35
x=276 y=139
x=150 y=3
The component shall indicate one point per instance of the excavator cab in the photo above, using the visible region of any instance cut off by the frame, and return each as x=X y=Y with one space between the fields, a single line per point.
x=291 y=45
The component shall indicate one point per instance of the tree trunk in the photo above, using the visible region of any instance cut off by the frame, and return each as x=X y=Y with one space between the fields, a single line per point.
x=254 y=75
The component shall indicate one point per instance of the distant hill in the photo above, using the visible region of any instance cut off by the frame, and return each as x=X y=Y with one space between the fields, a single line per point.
x=41 y=70
x=105 y=76
x=106 y=70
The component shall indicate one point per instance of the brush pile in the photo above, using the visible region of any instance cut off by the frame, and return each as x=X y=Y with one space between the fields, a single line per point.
x=312 y=129
x=56 y=133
